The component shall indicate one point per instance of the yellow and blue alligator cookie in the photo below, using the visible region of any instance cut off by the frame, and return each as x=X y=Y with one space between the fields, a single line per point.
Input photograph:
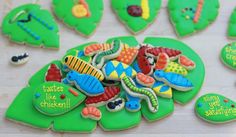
x=82 y=67
x=143 y=93
x=115 y=70
x=174 y=80
x=100 y=58
x=161 y=89
x=90 y=85
x=176 y=68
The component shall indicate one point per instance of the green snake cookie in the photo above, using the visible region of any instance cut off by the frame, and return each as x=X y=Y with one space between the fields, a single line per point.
x=215 y=108
x=190 y=16
x=100 y=58
x=145 y=93
x=232 y=25
x=29 y=24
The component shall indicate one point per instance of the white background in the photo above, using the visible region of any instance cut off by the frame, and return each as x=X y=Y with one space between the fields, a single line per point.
x=182 y=122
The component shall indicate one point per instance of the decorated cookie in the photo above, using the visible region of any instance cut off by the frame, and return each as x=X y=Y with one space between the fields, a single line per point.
x=114 y=70
x=192 y=16
x=90 y=85
x=161 y=89
x=109 y=94
x=176 y=68
x=153 y=103
x=127 y=55
x=173 y=54
x=144 y=61
x=186 y=62
x=228 y=55
x=145 y=80
x=31 y=25
x=81 y=15
x=53 y=98
x=53 y=73
x=100 y=58
x=95 y=48
x=116 y=105
x=83 y=67
x=137 y=15
x=232 y=25
x=133 y=103
x=174 y=80
x=92 y=113
x=162 y=61
x=20 y=59
x=145 y=93
x=215 y=108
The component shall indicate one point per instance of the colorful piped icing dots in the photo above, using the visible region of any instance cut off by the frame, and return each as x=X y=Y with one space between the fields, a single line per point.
x=215 y=108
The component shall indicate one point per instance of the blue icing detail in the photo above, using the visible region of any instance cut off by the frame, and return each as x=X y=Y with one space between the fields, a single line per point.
x=133 y=103
x=37 y=95
x=119 y=69
x=128 y=71
x=80 y=54
x=164 y=88
x=173 y=78
x=109 y=68
x=157 y=83
x=136 y=67
x=87 y=83
x=65 y=68
x=199 y=105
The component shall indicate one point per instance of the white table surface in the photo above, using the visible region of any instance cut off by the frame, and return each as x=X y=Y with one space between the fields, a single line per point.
x=182 y=122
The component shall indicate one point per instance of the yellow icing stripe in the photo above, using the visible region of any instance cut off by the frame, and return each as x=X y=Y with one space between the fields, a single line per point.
x=83 y=67
x=145 y=8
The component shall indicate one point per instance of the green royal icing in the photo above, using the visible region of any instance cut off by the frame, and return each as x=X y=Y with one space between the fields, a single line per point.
x=22 y=110
x=53 y=98
x=135 y=24
x=40 y=30
x=85 y=25
x=215 y=108
x=182 y=13
x=228 y=55
x=232 y=25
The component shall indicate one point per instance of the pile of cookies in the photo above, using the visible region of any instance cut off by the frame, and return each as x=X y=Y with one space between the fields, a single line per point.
x=109 y=82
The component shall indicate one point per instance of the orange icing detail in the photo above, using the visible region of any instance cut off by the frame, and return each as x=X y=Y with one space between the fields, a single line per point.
x=145 y=79
x=73 y=92
x=186 y=62
x=81 y=9
x=198 y=11
x=91 y=112
x=127 y=55
x=162 y=61
x=95 y=48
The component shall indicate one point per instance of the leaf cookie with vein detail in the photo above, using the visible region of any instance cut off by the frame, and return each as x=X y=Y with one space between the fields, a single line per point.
x=31 y=25
x=81 y=15
x=190 y=16
x=136 y=14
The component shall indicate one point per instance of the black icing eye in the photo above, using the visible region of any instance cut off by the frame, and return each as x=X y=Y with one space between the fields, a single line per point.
x=116 y=103
x=111 y=105
x=66 y=59
x=119 y=101
x=14 y=59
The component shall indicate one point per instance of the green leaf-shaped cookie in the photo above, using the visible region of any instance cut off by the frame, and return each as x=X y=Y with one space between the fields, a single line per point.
x=190 y=16
x=215 y=108
x=232 y=25
x=136 y=14
x=81 y=15
x=29 y=24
